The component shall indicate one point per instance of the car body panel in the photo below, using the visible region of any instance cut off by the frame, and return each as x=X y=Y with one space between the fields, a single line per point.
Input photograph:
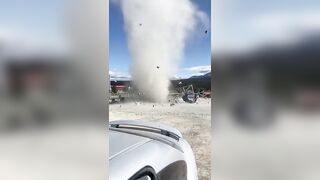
x=133 y=149
x=153 y=153
x=130 y=142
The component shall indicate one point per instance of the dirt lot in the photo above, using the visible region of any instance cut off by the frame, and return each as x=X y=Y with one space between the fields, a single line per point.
x=193 y=121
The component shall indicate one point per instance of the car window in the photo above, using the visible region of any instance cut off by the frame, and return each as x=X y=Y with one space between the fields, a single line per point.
x=145 y=178
x=146 y=173
x=174 y=171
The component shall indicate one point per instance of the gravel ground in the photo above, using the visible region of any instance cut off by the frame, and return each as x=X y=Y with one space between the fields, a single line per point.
x=192 y=120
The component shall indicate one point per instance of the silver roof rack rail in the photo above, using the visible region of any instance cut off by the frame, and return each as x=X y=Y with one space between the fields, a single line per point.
x=147 y=126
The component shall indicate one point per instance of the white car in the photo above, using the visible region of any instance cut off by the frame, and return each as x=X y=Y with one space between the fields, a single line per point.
x=140 y=151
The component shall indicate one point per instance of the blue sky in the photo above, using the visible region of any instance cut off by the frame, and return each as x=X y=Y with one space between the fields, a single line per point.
x=197 y=55
x=28 y=26
x=35 y=16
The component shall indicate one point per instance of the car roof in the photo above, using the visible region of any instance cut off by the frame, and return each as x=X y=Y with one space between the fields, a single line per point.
x=128 y=153
x=121 y=142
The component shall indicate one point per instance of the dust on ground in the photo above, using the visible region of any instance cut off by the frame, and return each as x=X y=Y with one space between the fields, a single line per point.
x=192 y=120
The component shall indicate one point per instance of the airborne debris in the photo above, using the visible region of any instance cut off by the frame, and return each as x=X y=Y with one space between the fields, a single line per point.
x=140 y=24
x=206 y=32
x=157 y=67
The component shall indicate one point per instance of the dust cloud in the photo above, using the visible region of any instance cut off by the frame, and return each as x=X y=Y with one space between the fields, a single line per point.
x=157 y=32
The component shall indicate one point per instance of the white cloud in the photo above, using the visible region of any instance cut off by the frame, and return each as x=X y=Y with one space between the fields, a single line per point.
x=289 y=20
x=192 y=71
x=183 y=73
x=237 y=30
x=17 y=42
x=199 y=69
x=117 y=75
x=285 y=27
x=7 y=34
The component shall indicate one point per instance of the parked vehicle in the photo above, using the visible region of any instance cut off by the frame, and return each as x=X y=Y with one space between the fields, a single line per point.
x=146 y=151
